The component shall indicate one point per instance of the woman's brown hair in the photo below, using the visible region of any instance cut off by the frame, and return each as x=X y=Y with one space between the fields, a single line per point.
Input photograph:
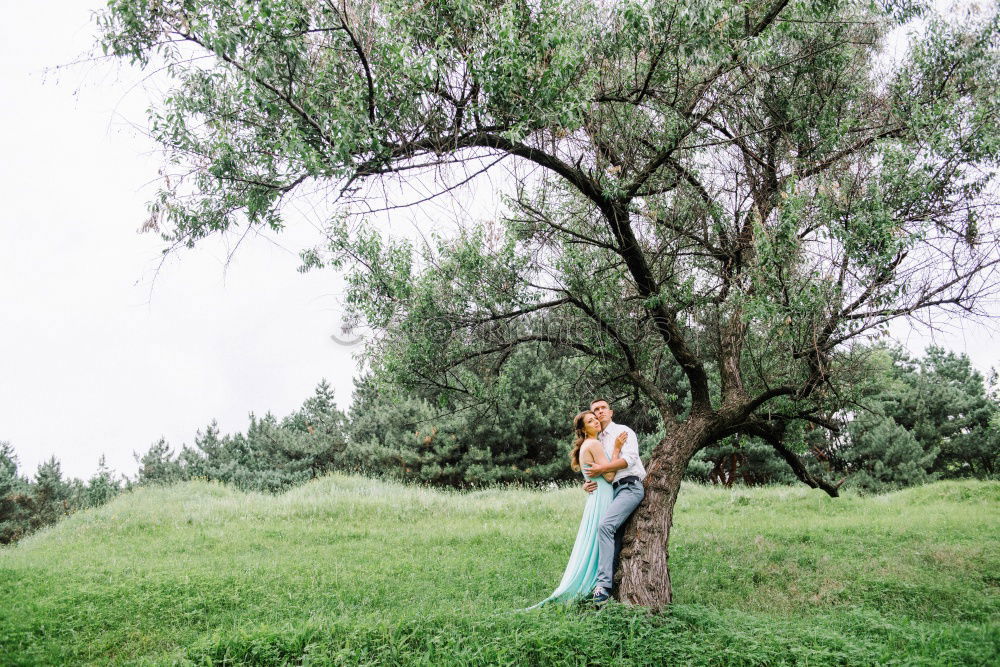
x=581 y=436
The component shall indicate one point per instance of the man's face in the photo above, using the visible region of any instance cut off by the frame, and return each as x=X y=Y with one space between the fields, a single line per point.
x=603 y=412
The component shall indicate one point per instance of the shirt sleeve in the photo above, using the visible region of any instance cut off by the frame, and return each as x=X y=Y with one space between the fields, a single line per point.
x=630 y=451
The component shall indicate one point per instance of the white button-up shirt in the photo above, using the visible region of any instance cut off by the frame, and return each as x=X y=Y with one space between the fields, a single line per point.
x=630 y=451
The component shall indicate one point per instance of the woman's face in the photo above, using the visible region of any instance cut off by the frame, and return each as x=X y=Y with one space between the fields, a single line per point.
x=591 y=424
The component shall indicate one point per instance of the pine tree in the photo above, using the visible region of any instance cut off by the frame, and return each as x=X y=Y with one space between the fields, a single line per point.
x=945 y=404
x=203 y=460
x=16 y=507
x=884 y=456
x=103 y=486
x=315 y=438
x=9 y=481
x=51 y=493
x=157 y=465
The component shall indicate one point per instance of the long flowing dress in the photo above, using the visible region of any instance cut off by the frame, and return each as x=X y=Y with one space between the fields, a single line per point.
x=581 y=572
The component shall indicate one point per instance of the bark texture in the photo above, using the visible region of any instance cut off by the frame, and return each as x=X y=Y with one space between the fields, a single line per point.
x=644 y=570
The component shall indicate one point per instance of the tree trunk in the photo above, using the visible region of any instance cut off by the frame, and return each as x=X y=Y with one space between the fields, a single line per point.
x=644 y=569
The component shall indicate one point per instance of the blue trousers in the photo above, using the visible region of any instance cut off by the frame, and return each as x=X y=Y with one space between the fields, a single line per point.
x=627 y=498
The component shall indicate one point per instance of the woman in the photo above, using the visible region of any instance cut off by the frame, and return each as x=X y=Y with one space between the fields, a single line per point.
x=581 y=571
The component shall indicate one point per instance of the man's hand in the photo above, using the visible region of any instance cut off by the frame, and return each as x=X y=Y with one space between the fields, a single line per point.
x=590 y=487
x=611 y=466
x=595 y=469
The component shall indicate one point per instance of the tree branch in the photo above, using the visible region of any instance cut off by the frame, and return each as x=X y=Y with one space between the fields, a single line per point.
x=361 y=55
x=774 y=435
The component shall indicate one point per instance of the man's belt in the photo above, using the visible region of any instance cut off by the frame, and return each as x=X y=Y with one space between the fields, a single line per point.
x=624 y=480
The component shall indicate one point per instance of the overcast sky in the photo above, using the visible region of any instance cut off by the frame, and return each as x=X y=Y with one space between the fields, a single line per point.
x=97 y=357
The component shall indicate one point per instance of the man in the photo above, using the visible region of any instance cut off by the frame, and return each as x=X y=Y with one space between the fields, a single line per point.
x=628 y=490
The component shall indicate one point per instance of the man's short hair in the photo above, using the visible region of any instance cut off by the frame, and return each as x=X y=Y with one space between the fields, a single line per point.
x=598 y=400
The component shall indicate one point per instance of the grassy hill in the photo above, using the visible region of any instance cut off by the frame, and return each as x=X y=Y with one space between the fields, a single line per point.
x=348 y=570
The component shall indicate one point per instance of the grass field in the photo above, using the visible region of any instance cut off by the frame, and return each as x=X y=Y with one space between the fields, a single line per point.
x=347 y=570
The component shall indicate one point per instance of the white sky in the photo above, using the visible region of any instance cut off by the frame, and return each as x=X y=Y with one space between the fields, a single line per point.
x=96 y=358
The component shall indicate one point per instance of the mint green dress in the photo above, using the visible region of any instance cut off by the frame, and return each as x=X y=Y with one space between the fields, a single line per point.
x=581 y=572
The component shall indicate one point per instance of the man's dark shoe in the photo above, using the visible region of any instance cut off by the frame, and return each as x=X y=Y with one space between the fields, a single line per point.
x=601 y=596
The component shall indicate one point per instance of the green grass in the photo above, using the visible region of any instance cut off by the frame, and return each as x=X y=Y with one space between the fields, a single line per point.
x=348 y=570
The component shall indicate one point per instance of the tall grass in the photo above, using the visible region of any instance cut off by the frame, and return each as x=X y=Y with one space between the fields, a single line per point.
x=349 y=570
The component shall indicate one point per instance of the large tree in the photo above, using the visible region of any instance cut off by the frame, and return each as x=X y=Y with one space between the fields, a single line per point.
x=726 y=192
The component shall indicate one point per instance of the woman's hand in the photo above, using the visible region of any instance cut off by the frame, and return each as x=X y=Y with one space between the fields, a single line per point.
x=620 y=442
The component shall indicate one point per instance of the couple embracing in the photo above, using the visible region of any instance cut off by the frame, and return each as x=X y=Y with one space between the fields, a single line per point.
x=608 y=455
